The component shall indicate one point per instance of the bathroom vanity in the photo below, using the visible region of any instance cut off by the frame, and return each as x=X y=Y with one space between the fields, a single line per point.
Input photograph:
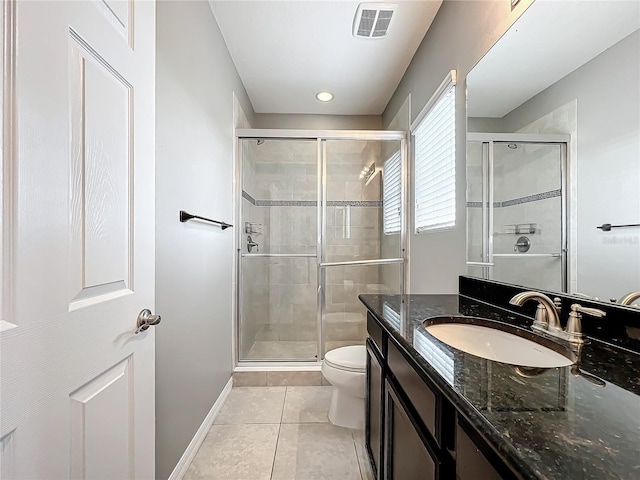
x=435 y=412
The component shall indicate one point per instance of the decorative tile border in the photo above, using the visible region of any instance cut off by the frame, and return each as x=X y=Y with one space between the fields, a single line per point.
x=285 y=203
x=310 y=203
x=354 y=203
x=246 y=196
x=521 y=200
x=479 y=204
x=533 y=198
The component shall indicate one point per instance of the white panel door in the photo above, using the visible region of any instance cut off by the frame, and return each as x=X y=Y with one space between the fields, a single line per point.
x=77 y=384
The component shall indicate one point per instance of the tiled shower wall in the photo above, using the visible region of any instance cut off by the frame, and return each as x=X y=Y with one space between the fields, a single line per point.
x=280 y=193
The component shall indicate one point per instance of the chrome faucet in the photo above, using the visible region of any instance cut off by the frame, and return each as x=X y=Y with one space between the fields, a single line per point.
x=547 y=317
x=629 y=298
x=548 y=312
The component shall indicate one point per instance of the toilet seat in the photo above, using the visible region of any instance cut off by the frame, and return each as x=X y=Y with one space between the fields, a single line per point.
x=350 y=359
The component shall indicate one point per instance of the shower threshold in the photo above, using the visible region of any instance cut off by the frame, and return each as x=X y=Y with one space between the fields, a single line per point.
x=278 y=374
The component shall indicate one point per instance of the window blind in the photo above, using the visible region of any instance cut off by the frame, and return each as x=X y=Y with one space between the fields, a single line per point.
x=391 y=194
x=435 y=160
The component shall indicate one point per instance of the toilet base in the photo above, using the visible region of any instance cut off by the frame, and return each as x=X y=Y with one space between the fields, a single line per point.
x=346 y=411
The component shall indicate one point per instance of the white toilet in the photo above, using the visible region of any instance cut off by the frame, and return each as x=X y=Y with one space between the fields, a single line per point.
x=344 y=368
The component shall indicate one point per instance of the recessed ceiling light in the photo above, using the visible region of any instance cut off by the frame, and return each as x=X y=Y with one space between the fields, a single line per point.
x=324 y=96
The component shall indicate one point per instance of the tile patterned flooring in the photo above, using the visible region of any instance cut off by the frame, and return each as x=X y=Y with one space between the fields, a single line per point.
x=279 y=433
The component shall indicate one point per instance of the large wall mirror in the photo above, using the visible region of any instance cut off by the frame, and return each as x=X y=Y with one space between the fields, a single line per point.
x=553 y=152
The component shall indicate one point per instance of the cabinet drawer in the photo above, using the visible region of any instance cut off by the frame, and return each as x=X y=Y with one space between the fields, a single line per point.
x=375 y=332
x=423 y=399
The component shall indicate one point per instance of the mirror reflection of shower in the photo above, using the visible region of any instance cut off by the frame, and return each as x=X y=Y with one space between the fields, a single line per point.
x=516 y=209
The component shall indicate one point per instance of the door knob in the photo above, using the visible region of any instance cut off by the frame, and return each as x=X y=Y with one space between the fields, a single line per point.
x=146 y=319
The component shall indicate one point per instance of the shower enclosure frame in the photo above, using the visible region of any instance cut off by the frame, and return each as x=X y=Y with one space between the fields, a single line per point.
x=560 y=139
x=320 y=137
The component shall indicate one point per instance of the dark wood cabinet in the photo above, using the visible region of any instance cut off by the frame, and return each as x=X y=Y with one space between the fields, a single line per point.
x=474 y=459
x=408 y=456
x=412 y=430
x=374 y=411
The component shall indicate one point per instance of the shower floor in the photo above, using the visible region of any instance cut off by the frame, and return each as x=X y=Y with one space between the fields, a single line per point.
x=291 y=350
x=298 y=341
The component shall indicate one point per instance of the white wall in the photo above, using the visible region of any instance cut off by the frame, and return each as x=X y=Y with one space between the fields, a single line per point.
x=462 y=32
x=196 y=80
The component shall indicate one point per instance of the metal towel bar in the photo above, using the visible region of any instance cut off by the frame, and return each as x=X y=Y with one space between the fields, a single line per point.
x=606 y=227
x=185 y=217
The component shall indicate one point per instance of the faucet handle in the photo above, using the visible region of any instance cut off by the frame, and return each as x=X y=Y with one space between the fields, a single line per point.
x=574 y=325
x=594 y=312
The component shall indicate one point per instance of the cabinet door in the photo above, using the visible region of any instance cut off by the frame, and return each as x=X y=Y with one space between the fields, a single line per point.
x=471 y=462
x=407 y=455
x=374 y=410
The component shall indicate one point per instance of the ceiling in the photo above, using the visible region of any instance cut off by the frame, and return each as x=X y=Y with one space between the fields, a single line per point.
x=519 y=66
x=287 y=51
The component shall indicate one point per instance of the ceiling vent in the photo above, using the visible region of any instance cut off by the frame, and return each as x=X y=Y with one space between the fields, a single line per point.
x=373 y=20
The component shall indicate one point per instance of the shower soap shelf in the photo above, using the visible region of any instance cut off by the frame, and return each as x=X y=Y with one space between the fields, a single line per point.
x=253 y=228
x=520 y=228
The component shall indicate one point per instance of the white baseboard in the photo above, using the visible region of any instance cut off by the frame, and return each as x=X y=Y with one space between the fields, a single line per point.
x=198 y=438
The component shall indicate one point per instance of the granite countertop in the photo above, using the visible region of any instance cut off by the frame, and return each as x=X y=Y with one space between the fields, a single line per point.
x=579 y=422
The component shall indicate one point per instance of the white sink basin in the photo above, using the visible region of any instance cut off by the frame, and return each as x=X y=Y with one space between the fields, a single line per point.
x=497 y=345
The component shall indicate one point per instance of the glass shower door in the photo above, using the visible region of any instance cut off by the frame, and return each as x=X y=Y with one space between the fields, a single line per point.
x=278 y=250
x=361 y=241
x=528 y=237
